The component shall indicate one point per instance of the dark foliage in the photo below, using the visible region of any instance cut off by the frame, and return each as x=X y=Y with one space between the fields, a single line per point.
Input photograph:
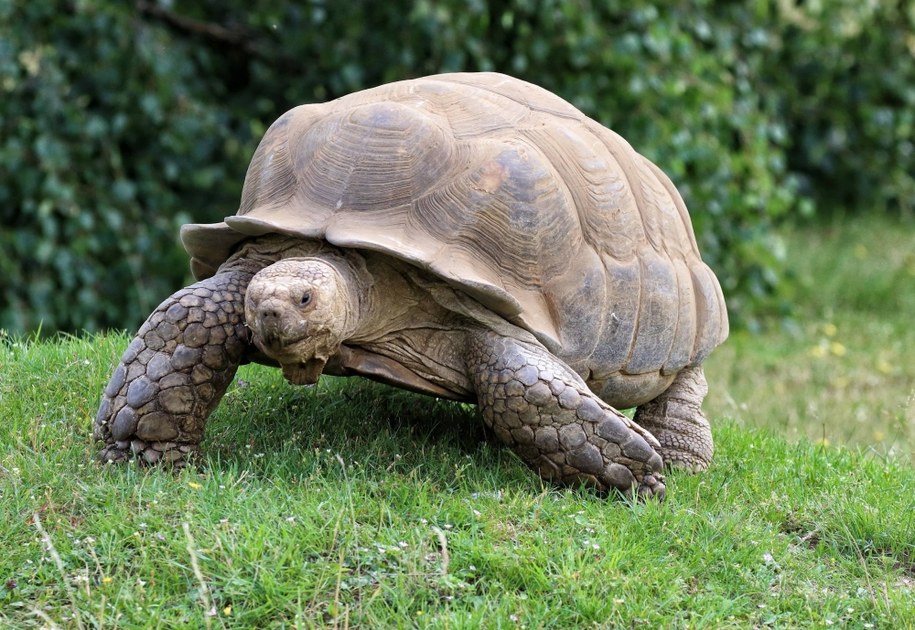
x=121 y=121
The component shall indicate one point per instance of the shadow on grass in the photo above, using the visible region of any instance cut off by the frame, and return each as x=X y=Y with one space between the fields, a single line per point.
x=364 y=420
x=268 y=428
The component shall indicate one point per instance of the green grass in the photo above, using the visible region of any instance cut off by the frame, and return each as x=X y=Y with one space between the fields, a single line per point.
x=842 y=373
x=349 y=504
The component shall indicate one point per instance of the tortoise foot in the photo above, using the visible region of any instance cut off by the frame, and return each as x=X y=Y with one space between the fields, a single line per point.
x=115 y=454
x=676 y=419
x=171 y=454
x=652 y=487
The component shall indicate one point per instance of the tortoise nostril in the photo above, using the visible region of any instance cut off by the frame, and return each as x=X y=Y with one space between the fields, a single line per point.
x=268 y=315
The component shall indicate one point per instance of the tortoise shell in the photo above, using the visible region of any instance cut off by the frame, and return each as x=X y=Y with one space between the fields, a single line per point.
x=506 y=192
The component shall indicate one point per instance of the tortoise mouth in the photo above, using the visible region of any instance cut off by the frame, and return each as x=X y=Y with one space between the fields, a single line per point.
x=277 y=345
x=294 y=353
x=304 y=372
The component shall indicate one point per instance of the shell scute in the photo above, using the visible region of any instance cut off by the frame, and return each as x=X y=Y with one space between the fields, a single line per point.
x=657 y=316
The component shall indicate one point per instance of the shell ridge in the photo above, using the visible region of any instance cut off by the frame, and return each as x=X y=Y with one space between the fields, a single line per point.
x=685 y=335
x=636 y=320
x=708 y=316
x=678 y=203
x=654 y=334
x=723 y=323
x=475 y=80
x=660 y=213
x=676 y=317
x=314 y=162
x=270 y=159
x=621 y=153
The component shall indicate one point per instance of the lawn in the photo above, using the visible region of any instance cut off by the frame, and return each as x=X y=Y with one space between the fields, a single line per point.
x=349 y=504
x=842 y=371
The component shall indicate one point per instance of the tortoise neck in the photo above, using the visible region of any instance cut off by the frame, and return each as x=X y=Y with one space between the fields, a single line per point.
x=386 y=298
x=356 y=287
x=378 y=293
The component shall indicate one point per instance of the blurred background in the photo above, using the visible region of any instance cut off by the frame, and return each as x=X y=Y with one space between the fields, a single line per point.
x=788 y=127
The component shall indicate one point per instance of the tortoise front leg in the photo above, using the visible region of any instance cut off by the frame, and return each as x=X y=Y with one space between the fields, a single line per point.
x=543 y=410
x=174 y=373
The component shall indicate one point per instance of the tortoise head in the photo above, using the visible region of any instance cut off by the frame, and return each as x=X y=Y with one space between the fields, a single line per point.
x=299 y=312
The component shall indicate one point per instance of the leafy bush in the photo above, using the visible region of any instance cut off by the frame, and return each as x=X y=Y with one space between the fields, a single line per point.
x=120 y=121
x=111 y=142
x=844 y=75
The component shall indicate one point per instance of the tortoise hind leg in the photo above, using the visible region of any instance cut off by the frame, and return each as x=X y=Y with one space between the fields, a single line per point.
x=676 y=419
x=174 y=373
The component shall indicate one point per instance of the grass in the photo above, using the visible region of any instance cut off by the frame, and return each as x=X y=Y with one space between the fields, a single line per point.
x=349 y=504
x=842 y=373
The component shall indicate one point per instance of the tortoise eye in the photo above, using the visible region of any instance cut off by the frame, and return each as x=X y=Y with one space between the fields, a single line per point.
x=306 y=299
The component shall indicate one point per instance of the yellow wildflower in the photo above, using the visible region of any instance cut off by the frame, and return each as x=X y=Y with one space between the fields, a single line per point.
x=227 y=610
x=830 y=329
x=106 y=579
x=194 y=485
x=837 y=349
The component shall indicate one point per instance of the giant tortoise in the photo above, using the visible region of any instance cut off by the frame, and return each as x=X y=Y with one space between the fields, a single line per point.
x=468 y=236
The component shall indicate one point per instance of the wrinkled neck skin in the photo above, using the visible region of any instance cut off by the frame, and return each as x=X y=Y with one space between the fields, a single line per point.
x=364 y=312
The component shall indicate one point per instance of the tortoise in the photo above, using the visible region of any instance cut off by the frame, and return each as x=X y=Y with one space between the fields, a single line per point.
x=469 y=236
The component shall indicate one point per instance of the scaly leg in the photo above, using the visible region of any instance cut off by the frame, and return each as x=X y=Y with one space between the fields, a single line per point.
x=174 y=373
x=544 y=411
x=675 y=418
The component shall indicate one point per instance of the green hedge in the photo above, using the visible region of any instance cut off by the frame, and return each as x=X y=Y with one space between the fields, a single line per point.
x=843 y=72
x=120 y=121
